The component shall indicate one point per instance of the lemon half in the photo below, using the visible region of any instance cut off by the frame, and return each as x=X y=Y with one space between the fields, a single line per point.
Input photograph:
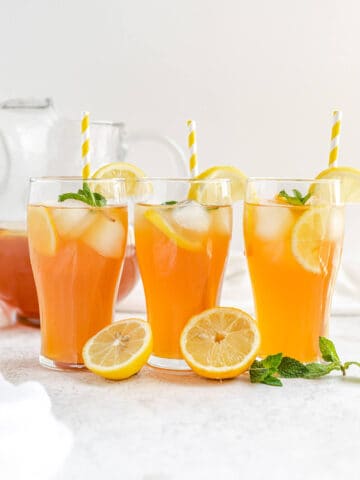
x=220 y=343
x=119 y=350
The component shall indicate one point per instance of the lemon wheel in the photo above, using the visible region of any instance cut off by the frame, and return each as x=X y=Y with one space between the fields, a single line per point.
x=220 y=343
x=119 y=350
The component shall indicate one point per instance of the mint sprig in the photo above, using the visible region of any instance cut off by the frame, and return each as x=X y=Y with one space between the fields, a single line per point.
x=272 y=367
x=296 y=199
x=85 y=195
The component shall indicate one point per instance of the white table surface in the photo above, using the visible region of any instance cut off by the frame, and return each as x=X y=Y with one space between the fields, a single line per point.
x=158 y=426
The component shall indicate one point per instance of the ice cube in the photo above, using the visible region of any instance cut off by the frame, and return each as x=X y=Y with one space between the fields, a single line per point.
x=72 y=218
x=106 y=236
x=272 y=221
x=192 y=216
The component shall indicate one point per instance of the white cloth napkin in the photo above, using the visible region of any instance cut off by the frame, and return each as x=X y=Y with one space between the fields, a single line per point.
x=33 y=444
x=7 y=315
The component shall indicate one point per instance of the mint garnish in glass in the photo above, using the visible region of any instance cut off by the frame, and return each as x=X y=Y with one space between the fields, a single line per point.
x=296 y=199
x=85 y=195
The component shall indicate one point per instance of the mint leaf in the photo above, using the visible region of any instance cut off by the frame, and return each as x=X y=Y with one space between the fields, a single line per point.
x=100 y=200
x=272 y=367
x=297 y=194
x=291 y=368
x=73 y=196
x=262 y=371
x=273 y=381
x=258 y=372
x=296 y=199
x=328 y=350
x=170 y=202
x=89 y=194
x=316 y=370
x=348 y=364
x=85 y=195
x=306 y=198
x=272 y=362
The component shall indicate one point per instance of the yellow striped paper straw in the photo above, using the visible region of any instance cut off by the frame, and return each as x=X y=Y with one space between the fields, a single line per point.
x=85 y=147
x=335 y=138
x=192 y=148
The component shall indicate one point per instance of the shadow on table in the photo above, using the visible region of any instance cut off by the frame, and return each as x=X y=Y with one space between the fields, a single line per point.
x=351 y=379
x=186 y=378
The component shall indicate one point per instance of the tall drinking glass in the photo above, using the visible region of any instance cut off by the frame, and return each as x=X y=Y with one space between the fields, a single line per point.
x=76 y=251
x=182 y=235
x=293 y=239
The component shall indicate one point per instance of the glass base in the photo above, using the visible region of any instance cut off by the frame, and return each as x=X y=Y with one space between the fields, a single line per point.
x=61 y=366
x=168 y=363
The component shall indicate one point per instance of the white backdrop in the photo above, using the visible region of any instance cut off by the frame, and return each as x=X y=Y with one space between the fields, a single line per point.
x=260 y=77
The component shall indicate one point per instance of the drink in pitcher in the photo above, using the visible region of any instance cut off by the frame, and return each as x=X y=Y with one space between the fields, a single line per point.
x=293 y=239
x=17 y=287
x=77 y=251
x=182 y=234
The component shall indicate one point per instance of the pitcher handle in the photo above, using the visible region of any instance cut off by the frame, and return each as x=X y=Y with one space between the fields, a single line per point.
x=178 y=156
x=5 y=173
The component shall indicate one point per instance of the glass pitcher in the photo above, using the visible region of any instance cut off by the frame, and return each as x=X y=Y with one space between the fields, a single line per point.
x=24 y=129
x=35 y=141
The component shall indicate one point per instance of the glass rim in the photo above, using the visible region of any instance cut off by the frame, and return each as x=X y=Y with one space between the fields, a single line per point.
x=183 y=180
x=65 y=179
x=293 y=180
x=103 y=123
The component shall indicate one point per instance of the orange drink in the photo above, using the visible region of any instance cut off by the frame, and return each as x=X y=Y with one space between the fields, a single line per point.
x=182 y=244
x=293 y=239
x=76 y=252
x=17 y=287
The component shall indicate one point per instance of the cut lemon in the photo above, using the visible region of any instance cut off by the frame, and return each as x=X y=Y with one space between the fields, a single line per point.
x=350 y=182
x=119 y=350
x=308 y=236
x=220 y=343
x=209 y=194
x=131 y=173
x=41 y=230
x=161 y=221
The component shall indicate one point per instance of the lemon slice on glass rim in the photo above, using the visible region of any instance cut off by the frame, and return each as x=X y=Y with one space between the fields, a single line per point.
x=350 y=182
x=208 y=194
x=221 y=342
x=119 y=350
x=131 y=173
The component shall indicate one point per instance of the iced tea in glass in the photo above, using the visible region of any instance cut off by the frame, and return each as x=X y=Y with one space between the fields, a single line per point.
x=77 y=251
x=182 y=232
x=293 y=239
